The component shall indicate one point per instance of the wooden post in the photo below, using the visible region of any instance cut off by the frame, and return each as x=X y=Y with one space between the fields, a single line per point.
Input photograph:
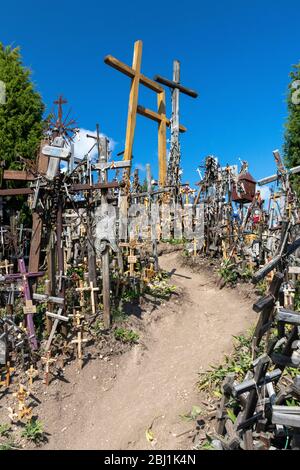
x=260 y=371
x=37 y=223
x=174 y=157
x=47 y=361
x=50 y=285
x=133 y=99
x=106 y=288
x=91 y=255
x=162 y=139
x=266 y=307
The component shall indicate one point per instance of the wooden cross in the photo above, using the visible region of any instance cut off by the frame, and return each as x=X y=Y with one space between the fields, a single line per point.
x=90 y=289
x=5 y=266
x=289 y=295
x=60 y=101
x=176 y=87
x=149 y=273
x=29 y=309
x=31 y=374
x=57 y=318
x=137 y=77
x=2 y=232
x=97 y=139
x=77 y=318
x=47 y=361
x=8 y=373
x=48 y=298
x=81 y=289
x=24 y=411
x=132 y=258
x=282 y=171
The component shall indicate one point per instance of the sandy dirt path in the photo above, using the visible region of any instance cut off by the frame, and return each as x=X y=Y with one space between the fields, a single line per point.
x=155 y=381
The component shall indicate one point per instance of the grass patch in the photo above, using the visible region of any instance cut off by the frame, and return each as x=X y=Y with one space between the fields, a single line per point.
x=118 y=316
x=129 y=295
x=160 y=288
x=297 y=297
x=231 y=273
x=228 y=272
x=5 y=430
x=261 y=287
x=34 y=431
x=126 y=335
x=173 y=241
x=8 y=446
x=239 y=362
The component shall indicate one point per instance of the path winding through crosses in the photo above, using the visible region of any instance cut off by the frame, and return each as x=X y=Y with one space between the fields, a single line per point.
x=112 y=407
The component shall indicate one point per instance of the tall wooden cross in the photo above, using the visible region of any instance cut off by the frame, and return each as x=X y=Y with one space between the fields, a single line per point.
x=137 y=77
x=174 y=159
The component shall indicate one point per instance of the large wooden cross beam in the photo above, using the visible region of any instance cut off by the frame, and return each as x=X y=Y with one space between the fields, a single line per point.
x=137 y=77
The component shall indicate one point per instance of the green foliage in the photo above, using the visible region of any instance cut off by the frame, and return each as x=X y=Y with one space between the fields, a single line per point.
x=118 y=315
x=76 y=271
x=173 y=241
x=231 y=273
x=231 y=415
x=34 y=431
x=186 y=253
x=228 y=272
x=292 y=372
x=246 y=274
x=8 y=443
x=207 y=444
x=144 y=186
x=21 y=122
x=98 y=327
x=160 y=288
x=7 y=446
x=238 y=363
x=292 y=134
x=261 y=287
x=130 y=295
x=39 y=319
x=194 y=413
x=297 y=297
x=292 y=402
x=163 y=275
x=125 y=335
x=5 y=430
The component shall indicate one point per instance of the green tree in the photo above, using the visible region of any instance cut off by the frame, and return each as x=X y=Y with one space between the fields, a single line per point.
x=21 y=116
x=292 y=134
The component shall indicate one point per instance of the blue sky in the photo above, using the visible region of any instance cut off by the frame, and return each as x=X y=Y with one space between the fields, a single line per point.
x=237 y=54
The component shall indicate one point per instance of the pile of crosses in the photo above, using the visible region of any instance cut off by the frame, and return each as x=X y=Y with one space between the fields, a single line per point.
x=83 y=274
x=266 y=403
x=238 y=225
x=65 y=261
